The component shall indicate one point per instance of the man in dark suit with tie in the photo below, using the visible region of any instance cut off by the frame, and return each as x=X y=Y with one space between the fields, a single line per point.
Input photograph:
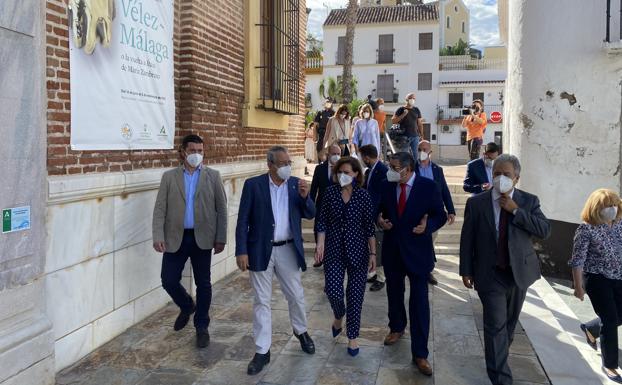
x=498 y=259
x=374 y=175
x=479 y=171
x=268 y=242
x=410 y=211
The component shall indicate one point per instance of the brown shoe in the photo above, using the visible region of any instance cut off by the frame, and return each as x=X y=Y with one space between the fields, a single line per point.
x=392 y=338
x=423 y=365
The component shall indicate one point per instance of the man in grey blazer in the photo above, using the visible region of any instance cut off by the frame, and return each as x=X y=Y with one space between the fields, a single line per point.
x=189 y=220
x=497 y=257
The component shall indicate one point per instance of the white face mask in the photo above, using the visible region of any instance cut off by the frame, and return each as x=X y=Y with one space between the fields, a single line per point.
x=328 y=105
x=411 y=102
x=502 y=184
x=488 y=162
x=381 y=107
x=194 y=159
x=366 y=115
x=608 y=214
x=334 y=159
x=345 y=179
x=393 y=176
x=423 y=156
x=284 y=172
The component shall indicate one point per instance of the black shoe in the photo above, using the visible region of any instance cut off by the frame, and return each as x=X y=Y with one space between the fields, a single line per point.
x=257 y=363
x=372 y=279
x=318 y=264
x=183 y=318
x=432 y=279
x=376 y=286
x=589 y=340
x=202 y=338
x=306 y=343
x=614 y=378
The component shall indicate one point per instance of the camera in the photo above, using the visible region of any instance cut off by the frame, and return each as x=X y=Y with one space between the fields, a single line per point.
x=469 y=110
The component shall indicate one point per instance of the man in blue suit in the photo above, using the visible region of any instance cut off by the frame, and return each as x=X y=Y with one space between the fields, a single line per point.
x=269 y=241
x=411 y=210
x=374 y=175
x=479 y=171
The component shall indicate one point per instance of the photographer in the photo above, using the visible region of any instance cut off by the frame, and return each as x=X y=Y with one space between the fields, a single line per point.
x=475 y=121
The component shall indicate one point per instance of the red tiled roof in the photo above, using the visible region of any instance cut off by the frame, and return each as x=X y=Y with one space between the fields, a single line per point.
x=386 y=14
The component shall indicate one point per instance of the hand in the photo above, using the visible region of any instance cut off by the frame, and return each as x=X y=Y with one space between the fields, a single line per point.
x=507 y=203
x=486 y=186
x=218 y=247
x=384 y=224
x=319 y=253
x=420 y=229
x=451 y=218
x=159 y=246
x=467 y=281
x=303 y=188
x=242 y=261
x=372 y=263
x=579 y=292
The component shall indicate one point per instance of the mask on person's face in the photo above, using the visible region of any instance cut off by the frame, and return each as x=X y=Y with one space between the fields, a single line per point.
x=284 y=172
x=423 y=156
x=194 y=160
x=334 y=159
x=608 y=214
x=503 y=184
x=393 y=176
x=488 y=162
x=366 y=115
x=345 y=179
x=381 y=107
x=411 y=102
x=328 y=105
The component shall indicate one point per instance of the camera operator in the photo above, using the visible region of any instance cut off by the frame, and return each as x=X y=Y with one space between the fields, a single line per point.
x=475 y=121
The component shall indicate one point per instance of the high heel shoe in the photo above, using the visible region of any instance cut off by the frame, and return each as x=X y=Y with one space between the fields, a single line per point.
x=336 y=332
x=353 y=352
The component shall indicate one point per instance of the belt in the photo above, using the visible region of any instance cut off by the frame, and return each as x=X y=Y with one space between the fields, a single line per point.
x=281 y=243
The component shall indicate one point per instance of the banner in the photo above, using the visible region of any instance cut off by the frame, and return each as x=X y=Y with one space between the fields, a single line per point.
x=122 y=88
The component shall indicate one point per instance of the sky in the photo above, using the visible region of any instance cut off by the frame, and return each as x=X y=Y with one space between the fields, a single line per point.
x=484 y=22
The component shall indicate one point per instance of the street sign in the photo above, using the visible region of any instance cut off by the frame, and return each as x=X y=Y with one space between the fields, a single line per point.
x=15 y=219
x=495 y=116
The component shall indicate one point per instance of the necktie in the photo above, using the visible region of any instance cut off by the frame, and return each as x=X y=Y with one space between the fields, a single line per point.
x=367 y=172
x=401 y=205
x=503 y=251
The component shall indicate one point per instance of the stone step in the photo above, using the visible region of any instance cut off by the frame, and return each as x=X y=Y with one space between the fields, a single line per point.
x=453 y=249
x=456 y=188
x=307 y=234
x=448 y=236
x=459 y=199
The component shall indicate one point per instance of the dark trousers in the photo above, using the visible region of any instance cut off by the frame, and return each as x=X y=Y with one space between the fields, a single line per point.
x=172 y=267
x=502 y=303
x=606 y=297
x=418 y=307
x=320 y=139
x=474 y=146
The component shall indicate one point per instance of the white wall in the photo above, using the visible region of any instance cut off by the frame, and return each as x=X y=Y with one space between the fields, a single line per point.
x=567 y=150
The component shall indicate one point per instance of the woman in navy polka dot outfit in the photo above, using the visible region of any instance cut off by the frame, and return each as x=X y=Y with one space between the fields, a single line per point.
x=346 y=243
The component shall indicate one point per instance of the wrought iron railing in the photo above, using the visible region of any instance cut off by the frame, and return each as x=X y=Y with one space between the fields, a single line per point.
x=385 y=56
x=466 y=62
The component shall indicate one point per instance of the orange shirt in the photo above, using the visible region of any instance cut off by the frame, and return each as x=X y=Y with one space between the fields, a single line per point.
x=380 y=116
x=475 y=130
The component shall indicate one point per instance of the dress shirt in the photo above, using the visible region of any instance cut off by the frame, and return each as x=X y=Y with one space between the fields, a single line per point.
x=497 y=208
x=190 y=184
x=426 y=171
x=280 y=211
x=488 y=173
x=409 y=186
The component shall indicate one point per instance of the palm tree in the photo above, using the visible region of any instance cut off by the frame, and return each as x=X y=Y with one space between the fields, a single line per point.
x=351 y=15
x=331 y=88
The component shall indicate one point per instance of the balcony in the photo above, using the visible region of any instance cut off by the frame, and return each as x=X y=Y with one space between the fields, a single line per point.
x=453 y=115
x=314 y=65
x=385 y=56
x=466 y=62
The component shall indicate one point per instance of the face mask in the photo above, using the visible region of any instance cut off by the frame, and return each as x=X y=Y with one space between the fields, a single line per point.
x=393 y=176
x=284 y=172
x=503 y=184
x=345 y=179
x=488 y=162
x=334 y=159
x=411 y=102
x=194 y=160
x=343 y=116
x=423 y=156
x=366 y=115
x=381 y=107
x=608 y=214
x=328 y=105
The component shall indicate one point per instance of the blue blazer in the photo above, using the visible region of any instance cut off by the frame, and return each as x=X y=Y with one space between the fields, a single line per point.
x=255 y=228
x=415 y=250
x=475 y=176
x=441 y=184
x=375 y=183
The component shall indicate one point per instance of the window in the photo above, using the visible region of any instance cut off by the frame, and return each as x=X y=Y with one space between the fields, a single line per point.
x=448 y=22
x=455 y=100
x=478 y=96
x=463 y=27
x=385 y=49
x=426 y=131
x=456 y=8
x=425 y=41
x=341 y=50
x=385 y=88
x=424 y=82
x=280 y=56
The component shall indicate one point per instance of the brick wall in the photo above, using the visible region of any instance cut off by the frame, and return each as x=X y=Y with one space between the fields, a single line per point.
x=209 y=92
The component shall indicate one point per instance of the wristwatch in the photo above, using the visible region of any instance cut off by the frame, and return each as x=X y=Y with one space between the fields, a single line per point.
x=514 y=211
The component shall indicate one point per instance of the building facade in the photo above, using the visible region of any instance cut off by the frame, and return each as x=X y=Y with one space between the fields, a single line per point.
x=86 y=268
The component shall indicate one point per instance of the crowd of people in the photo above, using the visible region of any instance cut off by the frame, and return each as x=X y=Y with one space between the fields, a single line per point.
x=375 y=221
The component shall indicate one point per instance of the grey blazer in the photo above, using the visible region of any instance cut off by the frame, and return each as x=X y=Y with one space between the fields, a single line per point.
x=210 y=210
x=478 y=241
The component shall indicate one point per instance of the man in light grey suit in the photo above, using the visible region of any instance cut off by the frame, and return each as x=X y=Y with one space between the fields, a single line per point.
x=497 y=257
x=189 y=220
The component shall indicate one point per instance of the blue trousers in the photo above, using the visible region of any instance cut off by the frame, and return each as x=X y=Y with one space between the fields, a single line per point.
x=334 y=274
x=172 y=267
x=413 y=141
x=418 y=307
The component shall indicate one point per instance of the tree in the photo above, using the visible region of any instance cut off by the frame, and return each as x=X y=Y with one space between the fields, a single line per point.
x=331 y=88
x=351 y=16
x=460 y=48
x=314 y=45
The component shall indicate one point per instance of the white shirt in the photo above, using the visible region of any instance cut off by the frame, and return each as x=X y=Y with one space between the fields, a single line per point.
x=488 y=172
x=409 y=186
x=497 y=208
x=280 y=211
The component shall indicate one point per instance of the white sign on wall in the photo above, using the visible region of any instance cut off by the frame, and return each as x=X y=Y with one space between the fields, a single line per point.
x=122 y=89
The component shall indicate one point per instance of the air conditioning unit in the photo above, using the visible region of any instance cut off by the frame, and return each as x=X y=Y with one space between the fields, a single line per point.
x=447 y=129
